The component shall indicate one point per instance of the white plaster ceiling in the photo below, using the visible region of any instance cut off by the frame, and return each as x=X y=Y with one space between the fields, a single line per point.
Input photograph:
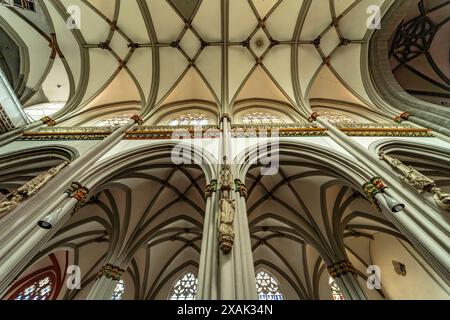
x=161 y=52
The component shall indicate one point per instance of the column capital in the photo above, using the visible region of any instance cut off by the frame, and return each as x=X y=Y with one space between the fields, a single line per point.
x=210 y=189
x=313 y=117
x=241 y=188
x=78 y=192
x=111 y=272
x=225 y=116
x=341 y=268
x=137 y=119
x=48 y=121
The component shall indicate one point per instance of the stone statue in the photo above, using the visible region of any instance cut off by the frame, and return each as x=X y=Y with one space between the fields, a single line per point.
x=419 y=181
x=28 y=189
x=226 y=181
x=226 y=220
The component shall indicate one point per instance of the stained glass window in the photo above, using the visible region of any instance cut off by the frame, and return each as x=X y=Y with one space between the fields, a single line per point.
x=40 y=289
x=116 y=120
x=268 y=287
x=118 y=291
x=185 y=288
x=260 y=118
x=335 y=290
x=189 y=119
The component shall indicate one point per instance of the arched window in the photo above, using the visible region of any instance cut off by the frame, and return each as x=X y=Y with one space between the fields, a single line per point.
x=335 y=290
x=37 y=289
x=268 y=287
x=116 y=120
x=185 y=288
x=189 y=119
x=260 y=118
x=118 y=291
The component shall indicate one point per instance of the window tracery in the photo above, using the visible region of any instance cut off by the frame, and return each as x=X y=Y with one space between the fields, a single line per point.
x=335 y=290
x=116 y=120
x=118 y=291
x=336 y=118
x=260 y=118
x=39 y=111
x=268 y=287
x=40 y=289
x=185 y=288
x=189 y=119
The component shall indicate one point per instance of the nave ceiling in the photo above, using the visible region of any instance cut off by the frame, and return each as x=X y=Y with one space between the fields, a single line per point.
x=141 y=56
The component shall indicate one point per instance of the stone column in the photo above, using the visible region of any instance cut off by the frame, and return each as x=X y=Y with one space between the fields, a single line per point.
x=345 y=276
x=422 y=224
x=21 y=237
x=207 y=288
x=106 y=282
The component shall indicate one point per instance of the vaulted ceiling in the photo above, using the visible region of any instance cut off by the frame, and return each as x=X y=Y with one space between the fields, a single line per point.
x=420 y=51
x=141 y=55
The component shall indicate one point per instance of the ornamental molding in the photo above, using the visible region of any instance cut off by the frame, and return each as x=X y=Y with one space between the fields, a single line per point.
x=341 y=268
x=29 y=189
x=111 y=272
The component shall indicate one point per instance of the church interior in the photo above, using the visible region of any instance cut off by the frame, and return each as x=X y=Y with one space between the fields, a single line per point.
x=224 y=150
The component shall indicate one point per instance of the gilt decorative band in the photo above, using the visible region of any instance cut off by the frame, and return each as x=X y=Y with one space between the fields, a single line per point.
x=241 y=188
x=77 y=191
x=137 y=119
x=111 y=272
x=340 y=269
x=48 y=121
x=210 y=189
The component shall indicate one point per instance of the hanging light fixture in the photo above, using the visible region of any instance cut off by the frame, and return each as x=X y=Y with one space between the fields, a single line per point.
x=50 y=220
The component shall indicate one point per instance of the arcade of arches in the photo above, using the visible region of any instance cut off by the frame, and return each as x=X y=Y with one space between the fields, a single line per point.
x=224 y=149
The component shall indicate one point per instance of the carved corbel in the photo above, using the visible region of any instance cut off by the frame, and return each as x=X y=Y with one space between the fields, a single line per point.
x=78 y=192
x=111 y=272
x=137 y=119
x=313 y=117
x=48 y=121
x=341 y=268
x=241 y=188
x=210 y=189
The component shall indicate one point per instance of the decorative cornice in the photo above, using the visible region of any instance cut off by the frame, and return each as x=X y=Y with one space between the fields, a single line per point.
x=111 y=272
x=341 y=268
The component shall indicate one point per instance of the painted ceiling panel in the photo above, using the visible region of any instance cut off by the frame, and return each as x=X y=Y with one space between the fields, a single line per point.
x=167 y=23
x=210 y=69
x=341 y=5
x=141 y=66
x=342 y=60
x=241 y=62
x=92 y=26
x=67 y=43
x=278 y=62
x=354 y=24
x=317 y=19
x=309 y=61
x=130 y=21
x=259 y=85
x=172 y=66
x=56 y=86
x=105 y=7
x=282 y=21
x=242 y=21
x=190 y=87
x=264 y=6
x=102 y=67
x=208 y=19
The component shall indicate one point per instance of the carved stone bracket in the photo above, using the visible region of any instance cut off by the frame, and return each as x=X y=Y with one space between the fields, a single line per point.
x=420 y=182
x=111 y=272
x=29 y=189
x=340 y=269
x=48 y=121
x=313 y=117
x=241 y=188
x=370 y=191
x=78 y=192
x=403 y=116
x=137 y=119
x=225 y=116
x=210 y=189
